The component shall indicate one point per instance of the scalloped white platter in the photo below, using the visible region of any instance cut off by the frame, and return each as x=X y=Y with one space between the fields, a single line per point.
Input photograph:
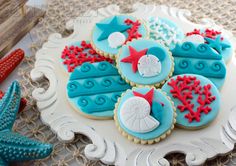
x=108 y=145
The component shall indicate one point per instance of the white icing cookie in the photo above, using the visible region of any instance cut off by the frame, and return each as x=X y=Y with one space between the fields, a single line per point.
x=194 y=39
x=149 y=66
x=135 y=115
x=116 y=39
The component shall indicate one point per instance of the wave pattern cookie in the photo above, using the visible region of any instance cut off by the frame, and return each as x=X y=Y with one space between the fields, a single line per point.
x=201 y=59
x=93 y=89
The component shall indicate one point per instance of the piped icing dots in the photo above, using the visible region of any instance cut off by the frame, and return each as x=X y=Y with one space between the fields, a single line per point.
x=145 y=115
x=197 y=100
x=93 y=89
x=165 y=31
x=78 y=53
x=110 y=34
x=145 y=62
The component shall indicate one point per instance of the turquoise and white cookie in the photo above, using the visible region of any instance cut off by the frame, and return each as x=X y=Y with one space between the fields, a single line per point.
x=93 y=89
x=215 y=39
x=165 y=30
x=194 y=58
x=111 y=33
x=145 y=62
x=145 y=115
x=196 y=98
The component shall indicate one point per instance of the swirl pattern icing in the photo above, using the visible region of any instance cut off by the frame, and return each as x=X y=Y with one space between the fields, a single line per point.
x=201 y=59
x=94 y=89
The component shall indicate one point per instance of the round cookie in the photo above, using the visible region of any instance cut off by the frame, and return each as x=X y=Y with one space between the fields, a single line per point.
x=93 y=89
x=111 y=33
x=145 y=115
x=194 y=58
x=165 y=30
x=215 y=39
x=78 y=53
x=197 y=100
x=145 y=62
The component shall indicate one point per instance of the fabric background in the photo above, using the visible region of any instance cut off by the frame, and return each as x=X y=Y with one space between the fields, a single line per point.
x=58 y=13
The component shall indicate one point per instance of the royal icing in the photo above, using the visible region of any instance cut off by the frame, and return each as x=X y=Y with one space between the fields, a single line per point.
x=145 y=113
x=94 y=88
x=199 y=59
x=144 y=62
x=196 y=99
x=165 y=31
x=78 y=53
x=111 y=33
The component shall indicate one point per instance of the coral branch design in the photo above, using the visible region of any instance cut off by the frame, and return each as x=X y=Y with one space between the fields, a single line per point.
x=210 y=33
x=74 y=56
x=133 y=31
x=184 y=88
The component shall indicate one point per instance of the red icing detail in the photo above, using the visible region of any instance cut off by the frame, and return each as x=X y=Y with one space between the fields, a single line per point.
x=74 y=56
x=210 y=33
x=23 y=102
x=134 y=57
x=9 y=63
x=133 y=31
x=148 y=96
x=183 y=88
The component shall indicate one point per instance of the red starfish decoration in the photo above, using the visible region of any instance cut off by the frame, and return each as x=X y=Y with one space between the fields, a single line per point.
x=9 y=63
x=148 y=96
x=134 y=57
x=23 y=101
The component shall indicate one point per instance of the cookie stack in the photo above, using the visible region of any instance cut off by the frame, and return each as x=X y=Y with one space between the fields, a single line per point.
x=147 y=75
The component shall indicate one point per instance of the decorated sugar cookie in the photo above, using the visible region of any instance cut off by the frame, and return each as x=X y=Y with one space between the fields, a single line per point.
x=145 y=62
x=165 y=30
x=197 y=100
x=145 y=115
x=93 y=89
x=78 y=53
x=201 y=59
x=111 y=33
x=215 y=39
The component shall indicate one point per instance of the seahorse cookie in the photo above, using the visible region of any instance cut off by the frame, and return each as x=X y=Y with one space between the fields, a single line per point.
x=110 y=34
x=196 y=98
x=145 y=115
x=145 y=62
x=93 y=89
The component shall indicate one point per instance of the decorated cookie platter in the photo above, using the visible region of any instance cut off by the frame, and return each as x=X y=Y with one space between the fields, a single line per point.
x=117 y=141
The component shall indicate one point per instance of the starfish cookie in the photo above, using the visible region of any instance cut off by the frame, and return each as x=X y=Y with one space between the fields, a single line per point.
x=13 y=146
x=9 y=63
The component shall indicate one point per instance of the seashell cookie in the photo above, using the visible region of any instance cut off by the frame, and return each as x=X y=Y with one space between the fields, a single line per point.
x=145 y=62
x=110 y=34
x=145 y=115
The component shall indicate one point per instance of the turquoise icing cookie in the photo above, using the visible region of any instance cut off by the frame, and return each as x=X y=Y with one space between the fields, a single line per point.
x=93 y=89
x=201 y=59
x=131 y=29
x=145 y=114
x=165 y=30
x=138 y=71
x=197 y=100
